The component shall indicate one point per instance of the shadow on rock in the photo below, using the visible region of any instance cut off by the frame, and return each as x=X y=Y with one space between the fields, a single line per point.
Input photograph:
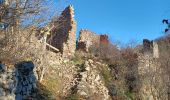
x=27 y=86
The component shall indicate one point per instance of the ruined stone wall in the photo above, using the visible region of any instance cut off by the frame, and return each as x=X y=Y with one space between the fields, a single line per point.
x=63 y=36
x=150 y=48
x=88 y=39
x=151 y=75
x=147 y=46
x=164 y=59
x=155 y=50
x=104 y=40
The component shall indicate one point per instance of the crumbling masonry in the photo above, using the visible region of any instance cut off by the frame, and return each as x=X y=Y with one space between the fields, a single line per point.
x=63 y=36
x=151 y=84
x=88 y=39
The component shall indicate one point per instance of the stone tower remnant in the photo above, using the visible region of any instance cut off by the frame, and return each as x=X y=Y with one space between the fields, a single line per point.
x=88 y=38
x=155 y=50
x=146 y=45
x=149 y=70
x=150 y=48
x=63 y=36
x=104 y=39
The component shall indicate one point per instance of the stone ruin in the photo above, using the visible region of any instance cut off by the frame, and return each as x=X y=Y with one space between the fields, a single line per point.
x=155 y=50
x=63 y=35
x=149 y=71
x=150 y=48
x=88 y=39
x=104 y=39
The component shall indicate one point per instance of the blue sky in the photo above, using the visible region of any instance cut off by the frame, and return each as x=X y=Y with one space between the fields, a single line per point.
x=122 y=20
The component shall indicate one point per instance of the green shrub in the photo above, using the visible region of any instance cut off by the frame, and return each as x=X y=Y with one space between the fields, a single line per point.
x=78 y=59
x=74 y=97
x=130 y=95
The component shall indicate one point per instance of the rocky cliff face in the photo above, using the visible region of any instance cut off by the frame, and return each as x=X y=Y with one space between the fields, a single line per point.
x=90 y=84
x=7 y=84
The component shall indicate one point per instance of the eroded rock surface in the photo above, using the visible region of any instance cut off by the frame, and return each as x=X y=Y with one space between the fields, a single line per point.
x=18 y=83
x=7 y=84
x=25 y=81
x=89 y=83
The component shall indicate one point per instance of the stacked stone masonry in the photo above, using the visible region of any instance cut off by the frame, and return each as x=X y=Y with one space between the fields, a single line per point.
x=150 y=72
x=88 y=39
x=150 y=48
x=63 y=35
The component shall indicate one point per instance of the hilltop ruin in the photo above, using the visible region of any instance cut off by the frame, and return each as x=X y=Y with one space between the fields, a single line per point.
x=63 y=35
x=151 y=73
x=88 y=76
x=87 y=39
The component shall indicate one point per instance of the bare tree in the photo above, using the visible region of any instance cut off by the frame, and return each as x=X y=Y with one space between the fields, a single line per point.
x=20 y=21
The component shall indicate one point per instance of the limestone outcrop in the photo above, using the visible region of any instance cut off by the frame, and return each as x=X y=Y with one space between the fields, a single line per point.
x=18 y=83
x=25 y=81
x=7 y=85
x=91 y=84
